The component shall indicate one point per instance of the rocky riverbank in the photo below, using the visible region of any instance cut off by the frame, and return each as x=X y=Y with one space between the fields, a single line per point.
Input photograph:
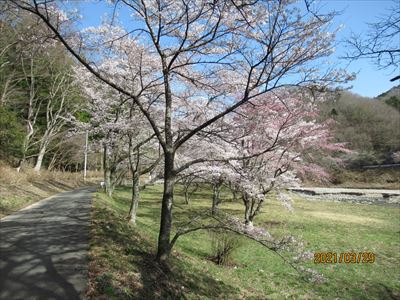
x=363 y=196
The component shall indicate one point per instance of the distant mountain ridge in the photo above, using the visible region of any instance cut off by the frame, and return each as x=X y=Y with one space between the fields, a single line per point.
x=394 y=91
x=391 y=97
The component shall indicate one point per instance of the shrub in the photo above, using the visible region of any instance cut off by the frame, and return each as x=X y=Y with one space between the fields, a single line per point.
x=223 y=245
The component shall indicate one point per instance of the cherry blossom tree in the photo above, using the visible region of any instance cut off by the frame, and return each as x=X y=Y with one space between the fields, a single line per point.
x=119 y=129
x=216 y=174
x=278 y=135
x=127 y=141
x=221 y=52
x=188 y=180
x=205 y=158
x=143 y=159
x=108 y=124
x=268 y=145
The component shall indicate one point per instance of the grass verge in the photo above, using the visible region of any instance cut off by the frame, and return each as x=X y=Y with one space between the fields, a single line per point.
x=122 y=256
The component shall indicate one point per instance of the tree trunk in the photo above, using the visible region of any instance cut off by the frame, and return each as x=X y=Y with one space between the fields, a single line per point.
x=105 y=167
x=164 y=246
x=249 y=224
x=164 y=237
x=52 y=161
x=135 y=198
x=186 y=193
x=234 y=195
x=20 y=164
x=5 y=89
x=39 y=159
x=108 y=182
x=25 y=145
x=248 y=220
x=215 y=200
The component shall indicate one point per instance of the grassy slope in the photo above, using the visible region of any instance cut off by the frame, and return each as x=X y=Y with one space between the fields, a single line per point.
x=363 y=178
x=122 y=264
x=369 y=178
x=18 y=190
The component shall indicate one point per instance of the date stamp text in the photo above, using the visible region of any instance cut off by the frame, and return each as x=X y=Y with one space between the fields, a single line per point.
x=344 y=257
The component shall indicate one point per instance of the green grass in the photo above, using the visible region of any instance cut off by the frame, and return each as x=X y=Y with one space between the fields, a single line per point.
x=9 y=205
x=123 y=267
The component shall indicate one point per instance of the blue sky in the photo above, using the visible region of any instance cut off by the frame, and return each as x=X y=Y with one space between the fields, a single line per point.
x=355 y=15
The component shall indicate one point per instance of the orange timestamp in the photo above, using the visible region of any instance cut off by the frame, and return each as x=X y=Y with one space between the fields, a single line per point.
x=344 y=257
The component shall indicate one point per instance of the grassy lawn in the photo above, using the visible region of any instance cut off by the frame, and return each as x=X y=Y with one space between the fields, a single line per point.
x=122 y=256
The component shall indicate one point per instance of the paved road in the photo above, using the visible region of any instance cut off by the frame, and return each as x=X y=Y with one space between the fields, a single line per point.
x=43 y=249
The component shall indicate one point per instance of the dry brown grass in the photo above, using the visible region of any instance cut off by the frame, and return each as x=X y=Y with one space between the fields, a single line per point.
x=9 y=175
x=20 y=189
x=371 y=178
x=363 y=178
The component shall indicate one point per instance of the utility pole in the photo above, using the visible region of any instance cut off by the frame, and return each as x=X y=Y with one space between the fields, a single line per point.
x=86 y=156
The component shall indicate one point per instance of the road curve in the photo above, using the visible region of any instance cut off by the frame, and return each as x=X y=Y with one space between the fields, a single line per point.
x=44 y=248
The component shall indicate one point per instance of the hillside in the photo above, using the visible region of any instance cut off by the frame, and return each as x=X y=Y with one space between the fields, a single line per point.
x=394 y=91
x=391 y=97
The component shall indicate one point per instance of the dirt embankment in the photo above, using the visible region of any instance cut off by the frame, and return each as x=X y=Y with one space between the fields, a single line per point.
x=20 y=189
x=362 y=179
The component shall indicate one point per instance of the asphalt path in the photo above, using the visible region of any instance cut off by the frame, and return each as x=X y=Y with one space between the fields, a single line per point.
x=44 y=248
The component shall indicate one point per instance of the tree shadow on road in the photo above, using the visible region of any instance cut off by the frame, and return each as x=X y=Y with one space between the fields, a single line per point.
x=43 y=250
